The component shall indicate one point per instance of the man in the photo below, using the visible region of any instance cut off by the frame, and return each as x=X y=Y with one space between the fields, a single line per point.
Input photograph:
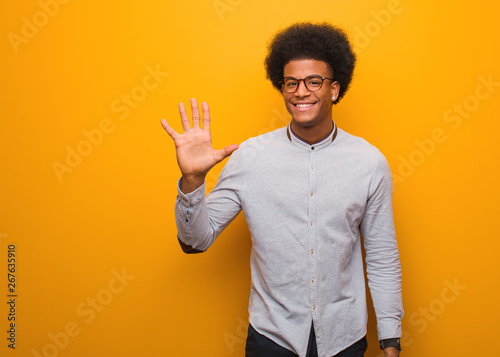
x=307 y=192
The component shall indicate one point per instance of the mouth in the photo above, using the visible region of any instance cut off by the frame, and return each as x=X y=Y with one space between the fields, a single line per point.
x=303 y=106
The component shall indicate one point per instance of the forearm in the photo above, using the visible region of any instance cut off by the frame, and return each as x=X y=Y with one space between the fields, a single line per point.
x=201 y=219
x=384 y=275
x=385 y=282
x=195 y=233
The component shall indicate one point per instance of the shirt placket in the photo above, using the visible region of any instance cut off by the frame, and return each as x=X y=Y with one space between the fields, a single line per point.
x=312 y=274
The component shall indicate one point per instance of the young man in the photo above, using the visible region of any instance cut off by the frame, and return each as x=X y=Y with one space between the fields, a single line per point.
x=307 y=191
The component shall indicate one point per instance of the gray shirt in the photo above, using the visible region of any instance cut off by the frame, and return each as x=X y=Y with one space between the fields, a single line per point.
x=305 y=206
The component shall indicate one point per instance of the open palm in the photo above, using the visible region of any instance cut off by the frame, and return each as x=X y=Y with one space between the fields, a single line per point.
x=195 y=153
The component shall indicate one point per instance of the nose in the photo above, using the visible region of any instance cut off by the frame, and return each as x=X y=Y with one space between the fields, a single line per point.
x=302 y=89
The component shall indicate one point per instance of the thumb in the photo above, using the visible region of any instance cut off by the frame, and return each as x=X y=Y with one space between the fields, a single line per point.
x=228 y=150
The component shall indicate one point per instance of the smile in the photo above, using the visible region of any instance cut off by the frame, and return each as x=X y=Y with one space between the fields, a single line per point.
x=303 y=106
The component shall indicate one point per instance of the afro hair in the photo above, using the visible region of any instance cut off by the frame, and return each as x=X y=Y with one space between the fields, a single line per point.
x=321 y=42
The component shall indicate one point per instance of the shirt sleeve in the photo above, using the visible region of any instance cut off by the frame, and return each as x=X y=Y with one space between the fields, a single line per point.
x=201 y=219
x=382 y=256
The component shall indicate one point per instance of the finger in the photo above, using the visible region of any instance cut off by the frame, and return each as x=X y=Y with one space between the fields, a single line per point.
x=228 y=150
x=173 y=134
x=196 y=114
x=206 y=116
x=184 y=117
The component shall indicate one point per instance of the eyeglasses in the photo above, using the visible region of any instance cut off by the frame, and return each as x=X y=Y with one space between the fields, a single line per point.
x=313 y=83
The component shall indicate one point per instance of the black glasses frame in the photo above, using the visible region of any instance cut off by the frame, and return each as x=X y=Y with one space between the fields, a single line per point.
x=304 y=80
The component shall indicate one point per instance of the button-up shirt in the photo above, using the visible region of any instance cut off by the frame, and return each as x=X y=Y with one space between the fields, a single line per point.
x=305 y=206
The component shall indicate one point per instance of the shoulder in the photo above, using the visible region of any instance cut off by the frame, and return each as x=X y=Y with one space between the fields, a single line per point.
x=361 y=153
x=356 y=145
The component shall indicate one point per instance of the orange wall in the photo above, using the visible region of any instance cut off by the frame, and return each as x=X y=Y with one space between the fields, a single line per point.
x=88 y=176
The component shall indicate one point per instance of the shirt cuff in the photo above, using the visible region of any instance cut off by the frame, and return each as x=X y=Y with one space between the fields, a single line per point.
x=389 y=328
x=191 y=198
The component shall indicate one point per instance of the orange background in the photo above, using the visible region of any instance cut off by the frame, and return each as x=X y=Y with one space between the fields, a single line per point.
x=74 y=70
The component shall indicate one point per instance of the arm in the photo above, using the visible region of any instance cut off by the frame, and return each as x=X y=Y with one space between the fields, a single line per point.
x=382 y=256
x=197 y=225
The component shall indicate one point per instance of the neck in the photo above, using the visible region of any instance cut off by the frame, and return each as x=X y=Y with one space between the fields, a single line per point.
x=312 y=134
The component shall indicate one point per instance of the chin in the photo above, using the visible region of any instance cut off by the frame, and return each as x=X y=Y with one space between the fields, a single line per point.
x=306 y=123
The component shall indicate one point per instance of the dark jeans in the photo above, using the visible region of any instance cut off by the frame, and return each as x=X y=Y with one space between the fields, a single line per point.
x=261 y=346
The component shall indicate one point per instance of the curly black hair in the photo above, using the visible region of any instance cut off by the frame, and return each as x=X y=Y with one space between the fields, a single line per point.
x=321 y=42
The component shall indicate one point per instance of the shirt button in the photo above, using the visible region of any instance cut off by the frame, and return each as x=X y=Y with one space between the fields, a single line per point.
x=312 y=251
x=313 y=281
x=314 y=307
x=312 y=193
x=312 y=147
x=312 y=167
x=311 y=223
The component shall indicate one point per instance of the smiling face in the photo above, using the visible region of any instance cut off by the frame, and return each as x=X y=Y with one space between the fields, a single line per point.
x=310 y=110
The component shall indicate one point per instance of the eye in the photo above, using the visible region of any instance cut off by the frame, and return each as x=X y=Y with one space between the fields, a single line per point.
x=314 y=81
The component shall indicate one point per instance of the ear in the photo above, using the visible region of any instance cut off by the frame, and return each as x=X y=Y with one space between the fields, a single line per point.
x=334 y=91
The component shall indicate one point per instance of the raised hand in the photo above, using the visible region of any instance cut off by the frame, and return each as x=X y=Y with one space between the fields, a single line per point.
x=195 y=153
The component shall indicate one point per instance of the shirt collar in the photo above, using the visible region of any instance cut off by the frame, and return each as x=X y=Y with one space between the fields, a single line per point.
x=298 y=141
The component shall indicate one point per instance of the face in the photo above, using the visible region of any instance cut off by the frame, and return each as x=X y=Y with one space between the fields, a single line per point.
x=310 y=109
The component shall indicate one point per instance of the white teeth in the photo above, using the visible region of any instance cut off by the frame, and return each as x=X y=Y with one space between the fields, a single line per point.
x=303 y=105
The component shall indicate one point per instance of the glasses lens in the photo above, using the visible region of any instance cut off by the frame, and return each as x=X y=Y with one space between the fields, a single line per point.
x=290 y=85
x=314 y=83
